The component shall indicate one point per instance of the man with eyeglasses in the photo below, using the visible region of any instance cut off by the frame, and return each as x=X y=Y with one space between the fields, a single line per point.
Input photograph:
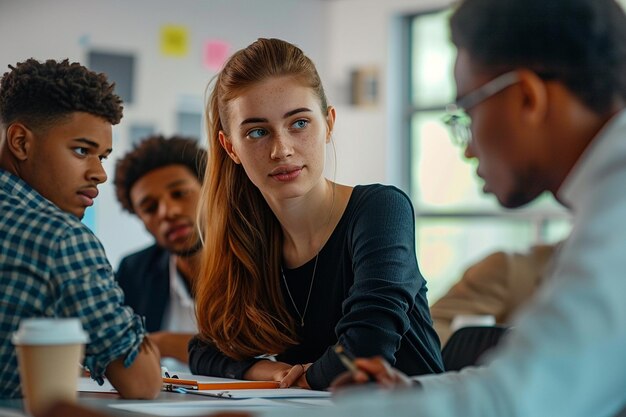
x=541 y=87
x=457 y=118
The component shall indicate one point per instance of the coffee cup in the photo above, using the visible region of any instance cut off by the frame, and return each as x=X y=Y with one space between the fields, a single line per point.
x=49 y=351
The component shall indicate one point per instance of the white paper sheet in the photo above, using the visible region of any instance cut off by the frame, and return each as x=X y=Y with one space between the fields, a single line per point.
x=201 y=378
x=264 y=393
x=9 y=412
x=199 y=408
x=86 y=384
x=318 y=402
x=251 y=393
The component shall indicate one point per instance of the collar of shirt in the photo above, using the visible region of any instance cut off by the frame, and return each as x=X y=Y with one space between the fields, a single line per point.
x=601 y=155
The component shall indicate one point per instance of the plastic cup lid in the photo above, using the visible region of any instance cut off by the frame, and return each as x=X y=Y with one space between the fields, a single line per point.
x=50 y=331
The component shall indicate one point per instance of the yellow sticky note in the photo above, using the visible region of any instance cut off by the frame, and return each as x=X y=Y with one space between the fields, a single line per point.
x=174 y=40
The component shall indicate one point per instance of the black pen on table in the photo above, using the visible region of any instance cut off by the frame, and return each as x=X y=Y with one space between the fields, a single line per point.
x=346 y=358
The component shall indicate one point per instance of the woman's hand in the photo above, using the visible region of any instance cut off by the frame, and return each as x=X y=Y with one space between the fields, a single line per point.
x=288 y=375
x=296 y=376
x=373 y=370
x=172 y=344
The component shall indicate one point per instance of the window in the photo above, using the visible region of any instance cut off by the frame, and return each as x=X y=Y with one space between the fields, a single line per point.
x=456 y=223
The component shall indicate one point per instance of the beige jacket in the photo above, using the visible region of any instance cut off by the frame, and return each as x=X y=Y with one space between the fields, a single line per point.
x=496 y=285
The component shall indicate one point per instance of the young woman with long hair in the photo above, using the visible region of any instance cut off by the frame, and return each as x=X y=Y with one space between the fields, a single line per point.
x=294 y=263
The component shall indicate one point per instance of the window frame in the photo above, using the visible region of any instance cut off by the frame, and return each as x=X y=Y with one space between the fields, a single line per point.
x=538 y=218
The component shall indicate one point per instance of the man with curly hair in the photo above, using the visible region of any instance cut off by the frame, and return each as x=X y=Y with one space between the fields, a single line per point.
x=56 y=122
x=159 y=181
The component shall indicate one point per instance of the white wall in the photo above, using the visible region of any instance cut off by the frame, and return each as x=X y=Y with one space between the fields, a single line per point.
x=70 y=28
x=362 y=35
x=339 y=35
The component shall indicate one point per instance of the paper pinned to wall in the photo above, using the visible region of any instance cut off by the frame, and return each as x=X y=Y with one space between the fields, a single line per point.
x=174 y=40
x=216 y=52
x=84 y=40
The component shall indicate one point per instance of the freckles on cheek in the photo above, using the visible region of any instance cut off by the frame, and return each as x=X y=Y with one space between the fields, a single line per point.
x=253 y=177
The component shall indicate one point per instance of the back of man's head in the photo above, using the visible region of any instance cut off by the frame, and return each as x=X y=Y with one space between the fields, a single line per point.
x=152 y=153
x=581 y=43
x=39 y=94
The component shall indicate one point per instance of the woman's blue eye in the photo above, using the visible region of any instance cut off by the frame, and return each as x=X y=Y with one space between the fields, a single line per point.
x=81 y=151
x=300 y=124
x=257 y=133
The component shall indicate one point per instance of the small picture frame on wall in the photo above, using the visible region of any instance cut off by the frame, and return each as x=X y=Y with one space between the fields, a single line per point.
x=364 y=84
x=119 y=68
x=139 y=132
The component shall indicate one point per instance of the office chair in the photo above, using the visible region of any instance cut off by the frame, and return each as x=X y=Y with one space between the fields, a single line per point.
x=467 y=345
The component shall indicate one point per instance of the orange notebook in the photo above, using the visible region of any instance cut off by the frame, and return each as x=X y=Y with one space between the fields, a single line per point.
x=220 y=385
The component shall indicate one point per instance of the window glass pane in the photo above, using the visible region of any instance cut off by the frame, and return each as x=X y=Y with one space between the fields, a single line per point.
x=556 y=229
x=446 y=247
x=442 y=179
x=457 y=224
x=432 y=60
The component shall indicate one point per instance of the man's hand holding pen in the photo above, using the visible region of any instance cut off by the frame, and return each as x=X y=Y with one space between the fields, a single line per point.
x=368 y=370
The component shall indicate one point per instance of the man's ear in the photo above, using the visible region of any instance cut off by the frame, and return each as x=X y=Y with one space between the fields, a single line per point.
x=19 y=140
x=228 y=147
x=535 y=97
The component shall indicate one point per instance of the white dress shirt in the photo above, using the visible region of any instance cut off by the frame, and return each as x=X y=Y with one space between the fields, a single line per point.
x=179 y=316
x=566 y=355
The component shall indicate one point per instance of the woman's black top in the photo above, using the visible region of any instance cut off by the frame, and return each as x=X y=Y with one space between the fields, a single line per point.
x=368 y=295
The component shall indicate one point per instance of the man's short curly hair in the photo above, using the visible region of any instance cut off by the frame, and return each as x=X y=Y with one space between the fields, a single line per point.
x=41 y=93
x=152 y=153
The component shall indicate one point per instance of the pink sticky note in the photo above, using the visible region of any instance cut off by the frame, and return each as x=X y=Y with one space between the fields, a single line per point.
x=215 y=54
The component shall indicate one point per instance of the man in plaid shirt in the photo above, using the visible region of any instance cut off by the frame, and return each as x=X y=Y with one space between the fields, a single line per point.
x=55 y=124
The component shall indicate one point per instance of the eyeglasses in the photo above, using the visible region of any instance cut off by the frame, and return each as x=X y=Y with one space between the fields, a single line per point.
x=456 y=117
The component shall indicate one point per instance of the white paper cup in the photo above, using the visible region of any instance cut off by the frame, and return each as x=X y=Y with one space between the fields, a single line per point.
x=49 y=351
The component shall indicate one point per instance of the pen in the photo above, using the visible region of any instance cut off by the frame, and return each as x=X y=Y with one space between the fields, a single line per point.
x=223 y=394
x=345 y=358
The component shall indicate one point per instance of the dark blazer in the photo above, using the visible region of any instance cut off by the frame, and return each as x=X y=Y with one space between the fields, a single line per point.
x=145 y=278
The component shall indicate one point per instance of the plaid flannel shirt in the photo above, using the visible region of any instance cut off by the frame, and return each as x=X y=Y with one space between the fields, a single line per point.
x=52 y=265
